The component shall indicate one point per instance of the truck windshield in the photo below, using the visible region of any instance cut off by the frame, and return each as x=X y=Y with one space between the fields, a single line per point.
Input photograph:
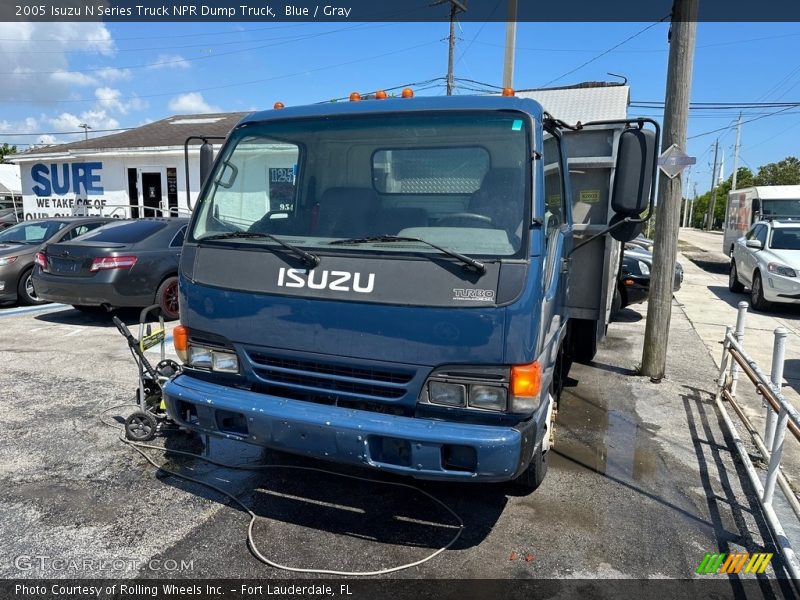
x=460 y=181
x=780 y=208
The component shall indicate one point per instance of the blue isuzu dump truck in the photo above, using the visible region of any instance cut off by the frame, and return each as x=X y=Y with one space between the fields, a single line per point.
x=400 y=283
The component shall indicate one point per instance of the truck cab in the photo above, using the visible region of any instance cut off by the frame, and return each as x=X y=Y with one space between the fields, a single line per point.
x=383 y=283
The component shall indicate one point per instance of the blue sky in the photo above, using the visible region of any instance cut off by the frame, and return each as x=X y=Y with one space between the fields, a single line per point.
x=56 y=76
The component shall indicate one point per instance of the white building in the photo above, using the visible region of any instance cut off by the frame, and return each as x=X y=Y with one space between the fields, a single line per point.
x=139 y=172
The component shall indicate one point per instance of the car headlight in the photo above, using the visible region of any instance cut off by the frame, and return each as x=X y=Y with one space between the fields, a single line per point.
x=780 y=269
x=514 y=390
x=487 y=397
x=644 y=268
x=210 y=359
x=448 y=394
x=7 y=260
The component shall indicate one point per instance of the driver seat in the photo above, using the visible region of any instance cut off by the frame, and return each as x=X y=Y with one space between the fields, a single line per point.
x=500 y=198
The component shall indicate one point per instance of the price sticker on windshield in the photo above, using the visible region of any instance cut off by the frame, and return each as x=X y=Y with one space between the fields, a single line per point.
x=590 y=196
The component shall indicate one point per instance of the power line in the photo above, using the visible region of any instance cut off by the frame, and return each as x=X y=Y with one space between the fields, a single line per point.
x=197 y=58
x=7 y=134
x=591 y=60
x=743 y=122
x=239 y=83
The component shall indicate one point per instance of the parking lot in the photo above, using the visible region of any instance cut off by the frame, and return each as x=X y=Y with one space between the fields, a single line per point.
x=641 y=481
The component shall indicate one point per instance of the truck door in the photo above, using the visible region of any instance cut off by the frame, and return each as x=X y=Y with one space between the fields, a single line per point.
x=556 y=229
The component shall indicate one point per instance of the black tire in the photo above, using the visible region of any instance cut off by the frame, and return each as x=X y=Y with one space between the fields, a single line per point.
x=532 y=477
x=25 y=292
x=141 y=426
x=167 y=298
x=734 y=284
x=617 y=303
x=583 y=340
x=757 y=293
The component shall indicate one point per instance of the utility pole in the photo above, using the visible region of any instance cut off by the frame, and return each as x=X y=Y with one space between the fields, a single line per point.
x=713 y=200
x=511 y=41
x=455 y=6
x=683 y=32
x=736 y=151
x=686 y=199
x=691 y=208
x=86 y=129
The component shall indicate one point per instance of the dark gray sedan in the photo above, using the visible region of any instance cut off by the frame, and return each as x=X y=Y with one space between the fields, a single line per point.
x=132 y=263
x=19 y=245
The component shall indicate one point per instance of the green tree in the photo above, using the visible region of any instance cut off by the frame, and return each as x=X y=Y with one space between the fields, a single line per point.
x=784 y=172
x=5 y=150
x=744 y=179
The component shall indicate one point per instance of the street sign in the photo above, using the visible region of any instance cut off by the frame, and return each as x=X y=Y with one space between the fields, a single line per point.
x=674 y=160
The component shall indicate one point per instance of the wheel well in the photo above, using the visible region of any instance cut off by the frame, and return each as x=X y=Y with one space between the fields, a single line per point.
x=163 y=279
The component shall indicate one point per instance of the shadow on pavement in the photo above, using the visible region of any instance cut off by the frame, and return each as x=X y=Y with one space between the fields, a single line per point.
x=98 y=318
x=728 y=510
x=626 y=315
x=311 y=518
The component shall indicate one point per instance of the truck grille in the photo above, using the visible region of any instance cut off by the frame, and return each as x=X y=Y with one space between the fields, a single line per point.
x=325 y=382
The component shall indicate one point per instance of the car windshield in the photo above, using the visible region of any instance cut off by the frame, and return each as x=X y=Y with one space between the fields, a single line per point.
x=34 y=232
x=785 y=238
x=459 y=181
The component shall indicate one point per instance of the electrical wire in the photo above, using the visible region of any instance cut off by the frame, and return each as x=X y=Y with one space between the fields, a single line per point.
x=602 y=54
x=254 y=517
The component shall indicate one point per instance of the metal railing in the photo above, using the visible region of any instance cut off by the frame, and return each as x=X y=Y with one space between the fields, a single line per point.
x=780 y=416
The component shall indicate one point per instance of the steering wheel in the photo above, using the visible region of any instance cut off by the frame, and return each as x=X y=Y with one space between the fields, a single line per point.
x=483 y=219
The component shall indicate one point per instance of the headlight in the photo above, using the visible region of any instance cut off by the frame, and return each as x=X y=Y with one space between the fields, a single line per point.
x=776 y=268
x=7 y=260
x=199 y=357
x=213 y=360
x=487 y=397
x=644 y=268
x=226 y=362
x=448 y=394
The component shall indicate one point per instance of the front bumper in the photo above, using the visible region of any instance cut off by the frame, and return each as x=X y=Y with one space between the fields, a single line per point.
x=421 y=448
x=778 y=288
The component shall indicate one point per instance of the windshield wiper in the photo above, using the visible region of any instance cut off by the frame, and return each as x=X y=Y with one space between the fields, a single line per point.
x=311 y=260
x=380 y=239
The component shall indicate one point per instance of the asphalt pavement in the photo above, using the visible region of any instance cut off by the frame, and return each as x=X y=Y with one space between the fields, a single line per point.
x=642 y=482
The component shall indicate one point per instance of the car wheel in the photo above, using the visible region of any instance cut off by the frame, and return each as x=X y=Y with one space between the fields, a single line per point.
x=532 y=477
x=167 y=298
x=25 y=291
x=734 y=284
x=757 y=293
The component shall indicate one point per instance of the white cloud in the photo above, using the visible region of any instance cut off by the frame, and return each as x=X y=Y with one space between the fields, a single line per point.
x=111 y=99
x=113 y=74
x=169 y=61
x=35 y=56
x=191 y=103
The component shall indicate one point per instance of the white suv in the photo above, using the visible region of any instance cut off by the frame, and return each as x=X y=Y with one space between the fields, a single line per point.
x=767 y=260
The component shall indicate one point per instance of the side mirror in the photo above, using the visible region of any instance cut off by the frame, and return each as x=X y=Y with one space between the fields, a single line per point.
x=633 y=176
x=206 y=160
x=755 y=244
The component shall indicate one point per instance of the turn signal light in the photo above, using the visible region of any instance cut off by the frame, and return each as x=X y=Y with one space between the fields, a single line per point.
x=355 y=97
x=526 y=380
x=180 y=340
x=381 y=95
x=277 y=105
x=407 y=93
x=508 y=92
